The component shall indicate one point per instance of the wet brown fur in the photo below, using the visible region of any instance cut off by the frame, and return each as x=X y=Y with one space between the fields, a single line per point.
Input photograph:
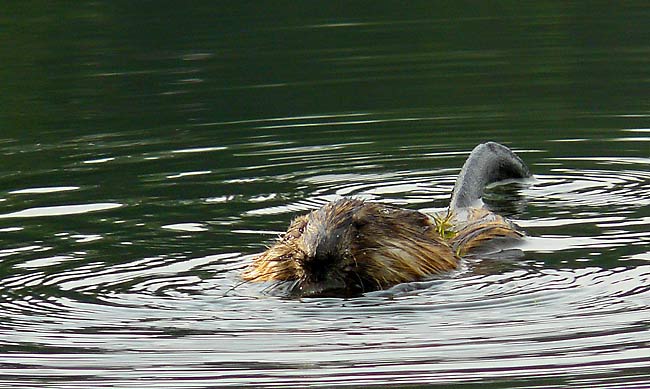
x=354 y=246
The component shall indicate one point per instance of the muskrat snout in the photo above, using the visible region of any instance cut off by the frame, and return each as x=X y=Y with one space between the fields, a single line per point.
x=327 y=260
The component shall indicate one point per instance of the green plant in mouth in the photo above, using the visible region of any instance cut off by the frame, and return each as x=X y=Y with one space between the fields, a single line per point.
x=444 y=226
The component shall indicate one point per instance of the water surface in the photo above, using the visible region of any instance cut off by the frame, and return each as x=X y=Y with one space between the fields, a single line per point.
x=149 y=151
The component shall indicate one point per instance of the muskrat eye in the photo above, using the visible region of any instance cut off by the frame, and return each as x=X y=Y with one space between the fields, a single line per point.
x=296 y=232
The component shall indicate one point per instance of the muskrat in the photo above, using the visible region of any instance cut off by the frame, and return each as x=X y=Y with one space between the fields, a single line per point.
x=350 y=246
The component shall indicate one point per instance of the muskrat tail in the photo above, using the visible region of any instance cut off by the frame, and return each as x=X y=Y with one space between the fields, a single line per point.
x=488 y=163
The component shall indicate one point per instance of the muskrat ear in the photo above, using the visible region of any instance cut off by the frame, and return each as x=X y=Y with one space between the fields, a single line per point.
x=360 y=218
x=296 y=228
x=292 y=234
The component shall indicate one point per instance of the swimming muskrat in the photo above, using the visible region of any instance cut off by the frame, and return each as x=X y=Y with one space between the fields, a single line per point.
x=350 y=246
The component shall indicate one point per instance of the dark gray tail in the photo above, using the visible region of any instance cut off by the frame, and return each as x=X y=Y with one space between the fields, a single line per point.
x=489 y=162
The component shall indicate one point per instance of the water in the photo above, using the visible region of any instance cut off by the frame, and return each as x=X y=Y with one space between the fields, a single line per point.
x=148 y=151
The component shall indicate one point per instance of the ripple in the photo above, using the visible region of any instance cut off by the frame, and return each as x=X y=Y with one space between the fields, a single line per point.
x=117 y=301
x=187 y=227
x=52 y=189
x=47 y=261
x=283 y=119
x=60 y=210
x=189 y=174
x=596 y=188
x=140 y=181
x=99 y=160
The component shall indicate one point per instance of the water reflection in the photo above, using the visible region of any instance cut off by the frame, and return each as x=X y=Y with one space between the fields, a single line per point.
x=574 y=307
x=60 y=210
x=149 y=152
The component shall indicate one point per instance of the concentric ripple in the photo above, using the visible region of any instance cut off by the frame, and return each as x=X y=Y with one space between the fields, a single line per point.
x=141 y=287
x=148 y=152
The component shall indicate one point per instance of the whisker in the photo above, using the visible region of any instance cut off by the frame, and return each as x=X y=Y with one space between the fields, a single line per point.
x=280 y=273
x=237 y=285
x=270 y=288
x=296 y=284
x=356 y=273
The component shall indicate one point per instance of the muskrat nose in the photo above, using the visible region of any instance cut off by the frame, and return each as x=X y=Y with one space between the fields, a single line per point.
x=321 y=244
x=315 y=270
x=321 y=258
x=320 y=261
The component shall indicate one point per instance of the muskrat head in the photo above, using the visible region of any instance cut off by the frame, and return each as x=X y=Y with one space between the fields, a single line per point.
x=326 y=245
x=315 y=253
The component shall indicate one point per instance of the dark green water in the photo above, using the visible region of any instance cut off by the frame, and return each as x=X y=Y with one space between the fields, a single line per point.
x=149 y=149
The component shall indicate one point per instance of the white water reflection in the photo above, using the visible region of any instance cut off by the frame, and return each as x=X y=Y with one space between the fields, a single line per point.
x=60 y=210
x=186 y=227
x=52 y=189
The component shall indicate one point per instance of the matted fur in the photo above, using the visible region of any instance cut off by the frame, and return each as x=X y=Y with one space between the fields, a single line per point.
x=478 y=229
x=356 y=246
